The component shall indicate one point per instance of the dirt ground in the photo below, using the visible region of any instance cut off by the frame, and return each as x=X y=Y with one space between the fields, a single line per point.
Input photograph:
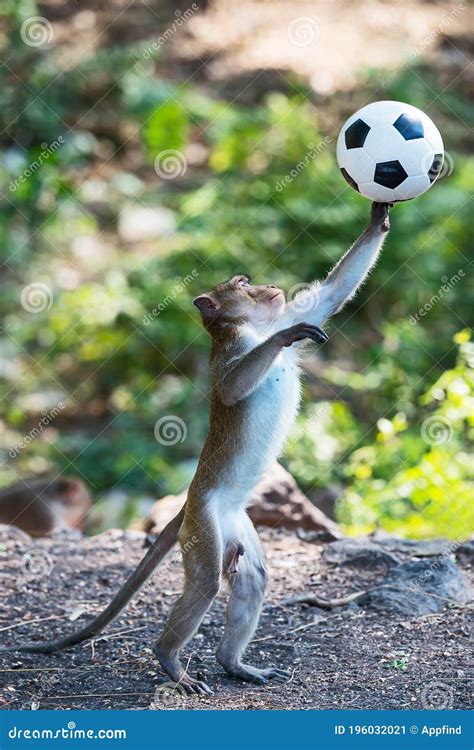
x=344 y=658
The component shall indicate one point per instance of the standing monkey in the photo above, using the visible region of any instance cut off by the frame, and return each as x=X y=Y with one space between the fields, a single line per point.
x=254 y=365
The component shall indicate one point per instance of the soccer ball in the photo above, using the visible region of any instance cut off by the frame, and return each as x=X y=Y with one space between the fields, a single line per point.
x=390 y=151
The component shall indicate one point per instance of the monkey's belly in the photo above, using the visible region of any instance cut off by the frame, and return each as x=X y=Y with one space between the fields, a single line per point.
x=270 y=413
x=274 y=409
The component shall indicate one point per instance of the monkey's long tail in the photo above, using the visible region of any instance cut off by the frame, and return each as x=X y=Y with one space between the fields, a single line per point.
x=145 y=568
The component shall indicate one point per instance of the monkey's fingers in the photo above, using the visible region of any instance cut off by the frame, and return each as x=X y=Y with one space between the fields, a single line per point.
x=315 y=333
x=379 y=215
x=194 y=687
x=271 y=673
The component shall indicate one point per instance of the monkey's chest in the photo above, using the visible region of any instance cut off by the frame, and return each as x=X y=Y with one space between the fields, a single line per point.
x=275 y=405
x=269 y=414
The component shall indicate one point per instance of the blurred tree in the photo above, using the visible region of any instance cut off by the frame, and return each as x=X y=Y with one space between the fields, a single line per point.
x=103 y=323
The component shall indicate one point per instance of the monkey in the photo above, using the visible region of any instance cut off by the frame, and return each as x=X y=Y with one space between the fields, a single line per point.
x=42 y=505
x=256 y=340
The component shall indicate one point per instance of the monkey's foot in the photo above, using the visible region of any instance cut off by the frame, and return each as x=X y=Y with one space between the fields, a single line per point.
x=191 y=686
x=247 y=673
x=175 y=670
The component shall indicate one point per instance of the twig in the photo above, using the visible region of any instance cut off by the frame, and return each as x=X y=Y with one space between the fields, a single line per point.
x=316 y=601
x=288 y=632
x=27 y=622
x=292 y=676
x=116 y=635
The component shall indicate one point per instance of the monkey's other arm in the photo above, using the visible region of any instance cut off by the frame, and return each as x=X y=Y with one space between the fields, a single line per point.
x=247 y=374
x=323 y=300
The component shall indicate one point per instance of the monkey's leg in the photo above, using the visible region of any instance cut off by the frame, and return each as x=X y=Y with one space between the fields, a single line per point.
x=203 y=565
x=243 y=612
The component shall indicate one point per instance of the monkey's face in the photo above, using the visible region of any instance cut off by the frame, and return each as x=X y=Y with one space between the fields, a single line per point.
x=237 y=300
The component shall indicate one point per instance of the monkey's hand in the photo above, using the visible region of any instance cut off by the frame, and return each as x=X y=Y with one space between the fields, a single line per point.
x=299 y=332
x=379 y=218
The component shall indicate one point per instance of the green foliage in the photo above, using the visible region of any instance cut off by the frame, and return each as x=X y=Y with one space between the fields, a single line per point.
x=419 y=487
x=120 y=344
x=166 y=128
x=399 y=663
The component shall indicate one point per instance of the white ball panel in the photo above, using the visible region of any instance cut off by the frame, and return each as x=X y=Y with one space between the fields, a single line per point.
x=417 y=157
x=385 y=144
x=341 y=150
x=412 y=187
x=359 y=164
x=376 y=192
x=433 y=136
x=379 y=113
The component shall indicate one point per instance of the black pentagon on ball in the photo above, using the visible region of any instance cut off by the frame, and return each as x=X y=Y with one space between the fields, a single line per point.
x=356 y=134
x=349 y=179
x=435 y=168
x=409 y=127
x=390 y=174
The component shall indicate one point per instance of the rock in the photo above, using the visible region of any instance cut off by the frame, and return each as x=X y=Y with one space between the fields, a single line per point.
x=419 y=587
x=277 y=502
x=415 y=547
x=42 y=505
x=325 y=499
x=359 y=554
x=61 y=534
x=140 y=224
x=466 y=551
x=163 y=511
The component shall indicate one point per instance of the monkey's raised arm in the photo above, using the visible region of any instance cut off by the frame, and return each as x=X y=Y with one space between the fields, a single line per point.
x=243 y=377
x=324 y=299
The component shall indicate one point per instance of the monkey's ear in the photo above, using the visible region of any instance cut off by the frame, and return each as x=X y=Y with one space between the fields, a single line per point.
x=207 y=306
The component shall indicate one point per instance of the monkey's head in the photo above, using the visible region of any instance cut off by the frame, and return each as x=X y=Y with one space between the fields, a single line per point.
x=238 y=301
